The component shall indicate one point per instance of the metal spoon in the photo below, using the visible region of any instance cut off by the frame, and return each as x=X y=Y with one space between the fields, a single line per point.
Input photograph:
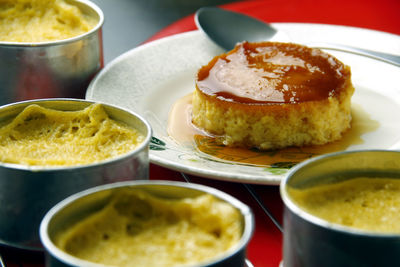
x=227 y=28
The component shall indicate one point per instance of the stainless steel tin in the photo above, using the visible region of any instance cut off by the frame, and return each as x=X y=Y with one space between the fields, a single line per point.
x=82 y=204
x=52 y=69
x=28 y=192
x=311 y=241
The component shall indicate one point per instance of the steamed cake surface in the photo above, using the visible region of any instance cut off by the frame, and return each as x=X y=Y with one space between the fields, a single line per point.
x=273 y=95
x=41 y=20
x=371 y=204
x=40 y=136
x=139 y=229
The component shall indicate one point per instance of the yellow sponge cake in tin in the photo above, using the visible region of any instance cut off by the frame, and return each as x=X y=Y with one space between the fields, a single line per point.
x=272 y=95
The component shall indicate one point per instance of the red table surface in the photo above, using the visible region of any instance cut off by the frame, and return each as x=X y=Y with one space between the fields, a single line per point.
x=265 y=248
x=381 y=15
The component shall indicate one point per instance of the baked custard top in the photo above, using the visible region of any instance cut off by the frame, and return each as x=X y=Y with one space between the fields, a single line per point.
x=271 y=72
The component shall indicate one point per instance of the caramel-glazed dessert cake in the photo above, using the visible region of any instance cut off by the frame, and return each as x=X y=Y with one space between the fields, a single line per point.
x=272 y=95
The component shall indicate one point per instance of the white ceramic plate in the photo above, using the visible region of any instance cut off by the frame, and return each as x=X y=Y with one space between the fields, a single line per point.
x=150 y=78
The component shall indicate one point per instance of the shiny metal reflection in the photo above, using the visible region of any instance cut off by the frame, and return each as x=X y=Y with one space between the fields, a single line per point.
x=2 y=264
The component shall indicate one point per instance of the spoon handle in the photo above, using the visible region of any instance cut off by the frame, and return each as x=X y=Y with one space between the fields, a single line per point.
x=388 y=58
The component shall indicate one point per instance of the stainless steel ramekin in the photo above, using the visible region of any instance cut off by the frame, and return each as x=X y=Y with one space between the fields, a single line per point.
x=28 y=192
x=311 y=241
x=61 y=68
x=81 y=205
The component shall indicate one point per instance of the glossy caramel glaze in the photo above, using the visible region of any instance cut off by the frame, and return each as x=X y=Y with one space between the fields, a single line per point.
x=271 y=72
